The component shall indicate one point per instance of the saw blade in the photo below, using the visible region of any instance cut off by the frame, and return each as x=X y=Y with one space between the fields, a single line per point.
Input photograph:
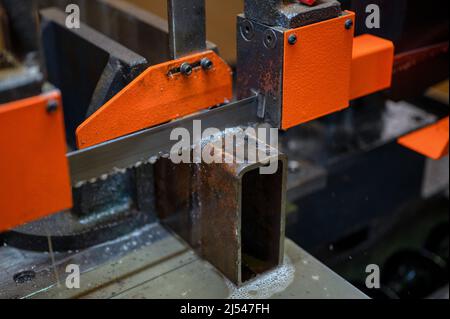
x=100 y=161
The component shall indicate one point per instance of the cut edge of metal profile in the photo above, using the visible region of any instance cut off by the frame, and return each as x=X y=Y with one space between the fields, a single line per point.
x=233 y=216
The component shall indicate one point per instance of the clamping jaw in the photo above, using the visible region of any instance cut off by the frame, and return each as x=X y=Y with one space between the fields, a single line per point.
x=304 y=62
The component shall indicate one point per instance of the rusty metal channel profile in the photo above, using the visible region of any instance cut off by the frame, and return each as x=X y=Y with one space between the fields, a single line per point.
x=231 y=214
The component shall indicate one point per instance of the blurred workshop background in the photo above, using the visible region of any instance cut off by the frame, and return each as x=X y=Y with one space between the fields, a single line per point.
x=220 y=19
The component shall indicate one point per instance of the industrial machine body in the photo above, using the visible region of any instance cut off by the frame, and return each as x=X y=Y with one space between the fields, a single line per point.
x=87 y=143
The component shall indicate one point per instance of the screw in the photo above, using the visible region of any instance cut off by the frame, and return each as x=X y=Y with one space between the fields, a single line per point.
x=349 y=24
x=270 y=39
x=52 y=106
x=206 y=64
x=292 y=39
x=247 y=30
x=186 y=69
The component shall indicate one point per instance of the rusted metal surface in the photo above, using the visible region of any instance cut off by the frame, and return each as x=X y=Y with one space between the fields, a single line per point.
x=289 y=14
x=232 y=215
x=426 y=65
x=259 y=68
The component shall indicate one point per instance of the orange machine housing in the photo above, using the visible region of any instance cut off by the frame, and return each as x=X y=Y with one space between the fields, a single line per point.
x=158 y=96
x=431 y=141
x=316 y=76
x=372 y=65
x=34 y=172
x=328 y=67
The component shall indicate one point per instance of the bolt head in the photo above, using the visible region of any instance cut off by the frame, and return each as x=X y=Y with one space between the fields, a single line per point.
x=206 y=64
x=247 y=30
x=52 y=106
x=186 y=69
x=270 y=39
x=292 y=39
x=349 y=24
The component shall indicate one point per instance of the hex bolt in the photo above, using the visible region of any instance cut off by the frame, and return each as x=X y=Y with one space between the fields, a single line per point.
x=186 y=69
x=349 y=24
x=206 y=64
x=292 y=39
x=52 y=106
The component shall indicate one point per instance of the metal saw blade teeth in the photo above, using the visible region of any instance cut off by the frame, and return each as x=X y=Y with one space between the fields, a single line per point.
x=116 y=170
x=147 y=146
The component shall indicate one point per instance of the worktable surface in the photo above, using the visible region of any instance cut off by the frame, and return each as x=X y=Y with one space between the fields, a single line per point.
x=162 y=266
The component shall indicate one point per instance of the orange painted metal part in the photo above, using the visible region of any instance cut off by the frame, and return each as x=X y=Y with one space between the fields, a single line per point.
x=316 y=79
x=156 y=97
x=431 y=141
x=372 y=65
x=34 y=172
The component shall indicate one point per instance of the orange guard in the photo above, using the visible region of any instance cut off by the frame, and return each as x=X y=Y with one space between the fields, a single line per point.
x=327 y=68
x=431 y=141
x=34 y=172
x=158 y=96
